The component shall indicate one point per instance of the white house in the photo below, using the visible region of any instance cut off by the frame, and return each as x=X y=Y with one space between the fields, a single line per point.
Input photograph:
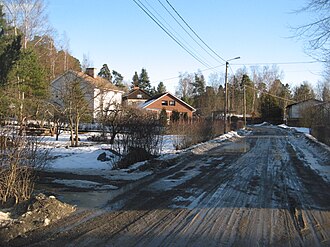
x=97 y=91
x=294 y=112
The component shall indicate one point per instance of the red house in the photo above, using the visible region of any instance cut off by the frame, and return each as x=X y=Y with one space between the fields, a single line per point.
x=168 y=102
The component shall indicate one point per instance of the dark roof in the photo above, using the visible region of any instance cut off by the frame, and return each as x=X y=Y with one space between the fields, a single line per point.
x=297 y=103
x=155 y=97
x=134 y=92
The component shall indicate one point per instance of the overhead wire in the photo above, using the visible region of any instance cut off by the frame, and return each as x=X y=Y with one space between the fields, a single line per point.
x=149 y=13
x=176 y=77
x=155 y=19
x=273 y=95
x=191 y=29
x=185 y=30
x=280 y=63
x=186 y=43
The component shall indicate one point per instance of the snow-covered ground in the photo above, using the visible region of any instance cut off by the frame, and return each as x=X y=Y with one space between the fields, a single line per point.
x=84 y=158
x=309 y=154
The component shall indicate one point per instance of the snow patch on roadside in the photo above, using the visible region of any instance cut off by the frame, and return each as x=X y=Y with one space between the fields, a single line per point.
x=5 y=218
x=313 y=162
x=206 y=146
x=298 y=129
x=262 y=124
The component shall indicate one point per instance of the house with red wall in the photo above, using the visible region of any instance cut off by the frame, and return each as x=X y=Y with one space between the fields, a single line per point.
x=170 y=103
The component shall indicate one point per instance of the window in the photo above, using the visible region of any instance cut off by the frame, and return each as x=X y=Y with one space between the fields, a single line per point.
x=164 y=102
x=172 y=103
x=139 y=96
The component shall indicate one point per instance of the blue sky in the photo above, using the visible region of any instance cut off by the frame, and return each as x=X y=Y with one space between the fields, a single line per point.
x=118 y=33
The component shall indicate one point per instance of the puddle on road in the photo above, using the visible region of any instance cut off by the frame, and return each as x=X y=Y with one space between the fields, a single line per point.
x=93 y=199
x=90 y=199
x=83 y=199
x=233 y=147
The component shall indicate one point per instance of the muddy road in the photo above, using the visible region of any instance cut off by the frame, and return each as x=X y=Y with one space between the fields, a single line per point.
x=268 y=188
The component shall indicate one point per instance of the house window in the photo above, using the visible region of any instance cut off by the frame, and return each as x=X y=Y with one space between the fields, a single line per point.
x=164 y=102
x=139 y=96
x=172 y=103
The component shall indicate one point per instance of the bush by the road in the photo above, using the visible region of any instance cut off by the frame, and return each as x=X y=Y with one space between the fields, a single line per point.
x=20 y=156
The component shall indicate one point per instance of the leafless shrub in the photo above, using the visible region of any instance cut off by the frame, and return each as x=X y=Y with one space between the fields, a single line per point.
x=320 y=126
x=140 y=137
x=20 y=156
x=192 y=132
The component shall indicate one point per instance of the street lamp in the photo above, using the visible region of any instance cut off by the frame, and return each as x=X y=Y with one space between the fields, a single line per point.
x=226 y=94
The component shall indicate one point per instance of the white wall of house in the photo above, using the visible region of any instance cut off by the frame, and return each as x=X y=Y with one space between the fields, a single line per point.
x=97 y=99
x=105 y=100
x=296 y=110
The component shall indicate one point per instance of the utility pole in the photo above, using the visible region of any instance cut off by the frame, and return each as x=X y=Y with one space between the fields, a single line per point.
x=244 y=96
x=226 y=95
x=226 y=100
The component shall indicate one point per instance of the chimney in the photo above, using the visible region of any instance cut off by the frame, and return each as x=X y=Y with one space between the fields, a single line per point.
x=91 y=72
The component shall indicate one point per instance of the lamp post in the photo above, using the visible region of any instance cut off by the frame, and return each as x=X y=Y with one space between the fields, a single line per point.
x=226 y=95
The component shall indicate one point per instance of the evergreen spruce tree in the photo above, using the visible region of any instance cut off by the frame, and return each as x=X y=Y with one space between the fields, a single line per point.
x=303 y=92
x=10 y=47
x=198 y=85
x=161 y=88
x=144 y=82
x=105 y=73
x=117 y=79
x=135 y=82
x=163 y=117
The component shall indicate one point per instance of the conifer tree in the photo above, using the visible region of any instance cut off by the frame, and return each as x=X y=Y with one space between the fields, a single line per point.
x=105 y=73
x=117 y=79
x=161 y=88
x=135 y=82
x=144 y=81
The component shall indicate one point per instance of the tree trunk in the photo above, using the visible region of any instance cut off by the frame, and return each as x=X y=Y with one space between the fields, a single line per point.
x=76 y=139
x=71 y=135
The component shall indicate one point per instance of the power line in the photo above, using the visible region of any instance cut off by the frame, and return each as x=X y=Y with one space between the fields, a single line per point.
x=184 y=29
x=280 y=63
x=212 y=68
x=224 y=60
x=178 y=35
x=154 y=19
x=176 y=77
x=273 y=95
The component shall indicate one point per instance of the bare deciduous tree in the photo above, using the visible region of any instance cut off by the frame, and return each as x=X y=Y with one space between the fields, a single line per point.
x=317 y=31
x=29 y=16
x=86 y=62
x=185 y=88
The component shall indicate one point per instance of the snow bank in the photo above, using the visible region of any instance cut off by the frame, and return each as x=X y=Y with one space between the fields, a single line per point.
x=262 y=124
x=5 y=219
x=298 y=129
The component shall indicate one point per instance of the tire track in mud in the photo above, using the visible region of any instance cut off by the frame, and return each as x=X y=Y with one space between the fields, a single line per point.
x=265 y=196
x=303 y=206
